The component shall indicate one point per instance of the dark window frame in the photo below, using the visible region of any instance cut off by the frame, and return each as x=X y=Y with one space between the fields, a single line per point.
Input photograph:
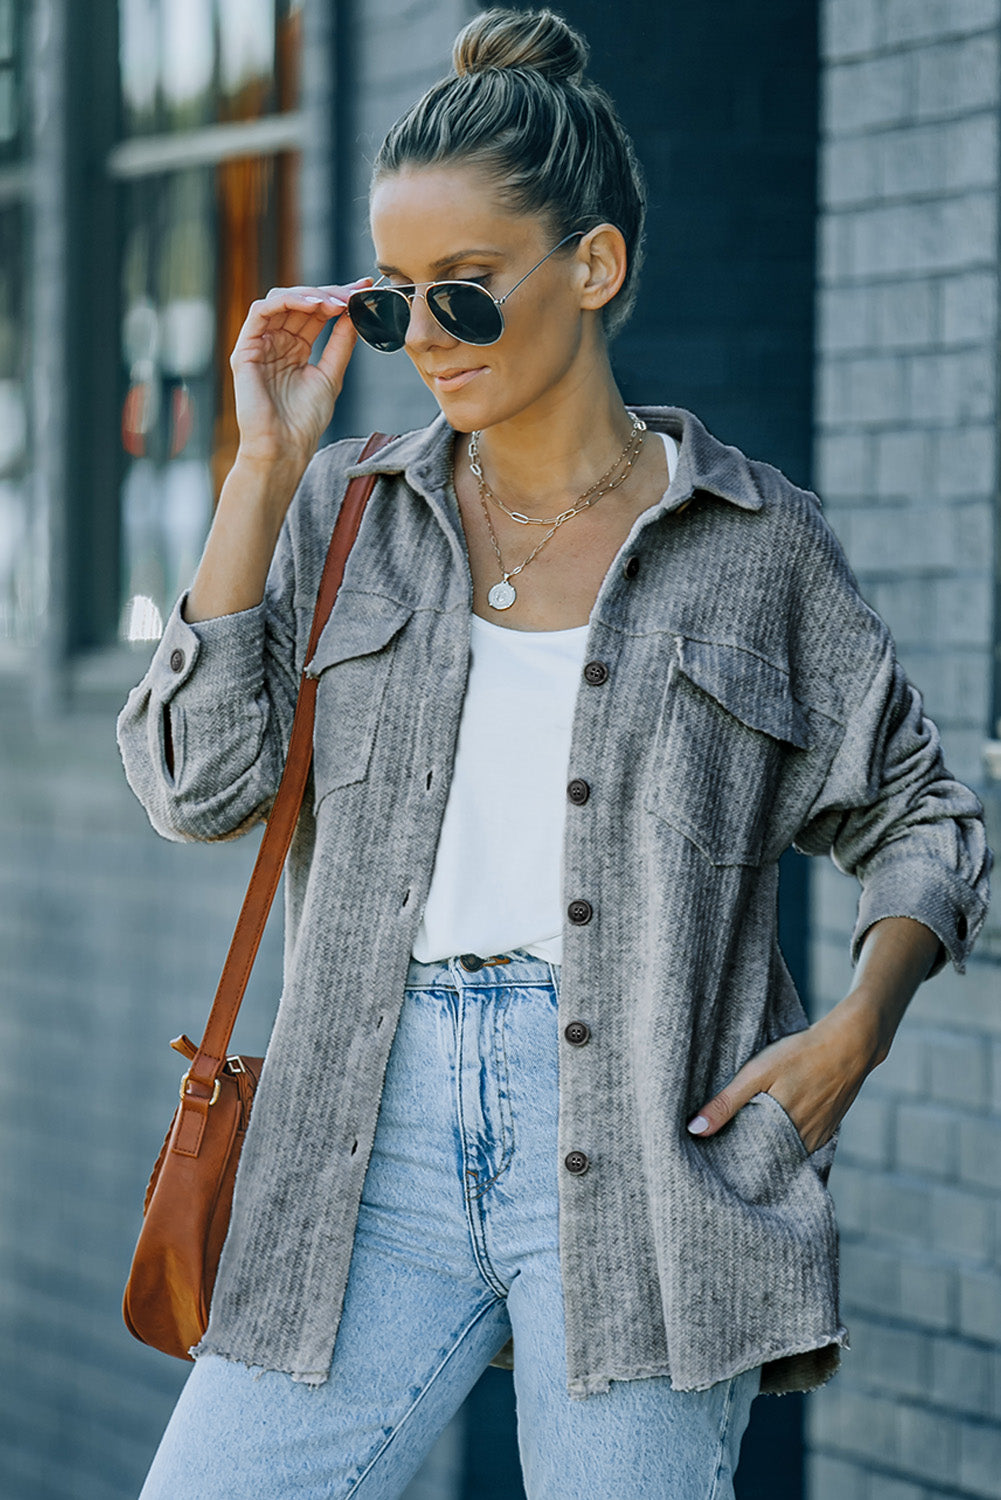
x=76 y=163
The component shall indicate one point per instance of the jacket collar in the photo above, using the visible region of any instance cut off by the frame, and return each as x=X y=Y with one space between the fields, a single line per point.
x=704 y=463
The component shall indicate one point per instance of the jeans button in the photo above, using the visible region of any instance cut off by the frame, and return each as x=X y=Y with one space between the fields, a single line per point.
x=471 y=961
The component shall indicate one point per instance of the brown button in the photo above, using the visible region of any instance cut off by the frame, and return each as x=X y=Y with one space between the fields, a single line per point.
x=631 y=566
x=576 y=1162
x=177 y=660
x=577 y=1033
x=595 y=673
x=961 y=926
x=578 y=791
x=580 y=912
x=471 y=961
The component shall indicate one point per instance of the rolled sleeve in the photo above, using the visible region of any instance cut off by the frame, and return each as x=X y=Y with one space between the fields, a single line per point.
x=203 y=736
x=228 y=652
x=921 y=888
x=892 y=816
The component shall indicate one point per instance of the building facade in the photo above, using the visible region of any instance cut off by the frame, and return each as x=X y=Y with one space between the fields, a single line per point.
x=821 y=286
x=906 y=457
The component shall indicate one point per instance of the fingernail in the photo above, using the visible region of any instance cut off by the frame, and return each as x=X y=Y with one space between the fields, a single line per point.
x=698 y=1125
x=336 y=302
x=312 y=299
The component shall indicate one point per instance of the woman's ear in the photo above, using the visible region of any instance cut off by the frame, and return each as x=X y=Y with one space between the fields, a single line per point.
x=604 y=260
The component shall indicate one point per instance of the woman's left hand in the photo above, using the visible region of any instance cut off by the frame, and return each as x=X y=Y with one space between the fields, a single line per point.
x=814 y=1074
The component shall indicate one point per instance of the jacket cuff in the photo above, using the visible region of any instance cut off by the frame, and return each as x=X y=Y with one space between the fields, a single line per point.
x=924 y=890
x=228 y=652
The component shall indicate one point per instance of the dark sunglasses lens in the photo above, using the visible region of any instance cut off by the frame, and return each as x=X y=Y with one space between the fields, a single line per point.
x=382 y=316
x=468 y=313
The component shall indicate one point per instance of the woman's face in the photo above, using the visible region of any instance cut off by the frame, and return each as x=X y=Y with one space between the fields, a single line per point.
x=447 y=223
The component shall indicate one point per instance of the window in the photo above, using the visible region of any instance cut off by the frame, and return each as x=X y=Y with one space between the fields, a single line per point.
x=208 y=167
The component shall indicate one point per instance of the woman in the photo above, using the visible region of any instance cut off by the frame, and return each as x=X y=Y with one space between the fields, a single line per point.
x=538 y=1067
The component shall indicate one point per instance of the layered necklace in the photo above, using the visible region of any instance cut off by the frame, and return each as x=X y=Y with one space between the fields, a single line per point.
x=503 y=594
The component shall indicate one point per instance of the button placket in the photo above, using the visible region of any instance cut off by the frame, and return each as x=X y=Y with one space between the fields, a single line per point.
x=580 y=911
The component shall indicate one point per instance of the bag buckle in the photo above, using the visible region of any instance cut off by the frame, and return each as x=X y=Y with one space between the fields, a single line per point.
x=184 y=1089
x=235 y=1065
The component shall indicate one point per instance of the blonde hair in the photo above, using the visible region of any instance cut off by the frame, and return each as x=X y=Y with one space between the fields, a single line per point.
x=519 y=106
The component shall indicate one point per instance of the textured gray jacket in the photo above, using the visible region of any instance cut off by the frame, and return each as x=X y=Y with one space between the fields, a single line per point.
x=739 y=697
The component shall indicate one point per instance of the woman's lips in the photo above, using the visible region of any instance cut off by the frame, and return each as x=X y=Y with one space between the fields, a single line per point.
x=454 y=380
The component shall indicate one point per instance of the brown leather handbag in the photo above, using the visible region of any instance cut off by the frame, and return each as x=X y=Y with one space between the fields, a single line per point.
x=190 y=1194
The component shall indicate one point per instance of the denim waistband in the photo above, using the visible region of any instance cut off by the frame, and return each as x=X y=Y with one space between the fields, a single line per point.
x=474 y=970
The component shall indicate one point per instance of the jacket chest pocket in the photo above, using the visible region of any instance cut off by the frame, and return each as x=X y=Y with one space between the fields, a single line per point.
x=351 y=664
x=730 y=744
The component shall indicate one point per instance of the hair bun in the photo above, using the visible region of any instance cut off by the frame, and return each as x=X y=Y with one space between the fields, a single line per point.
x=538 y=40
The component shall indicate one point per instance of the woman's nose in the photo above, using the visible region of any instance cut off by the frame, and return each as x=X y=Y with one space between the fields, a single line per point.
x=423 y=330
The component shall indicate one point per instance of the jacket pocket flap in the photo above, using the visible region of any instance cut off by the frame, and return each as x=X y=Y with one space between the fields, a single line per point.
x=359 y=624
x=748 y=687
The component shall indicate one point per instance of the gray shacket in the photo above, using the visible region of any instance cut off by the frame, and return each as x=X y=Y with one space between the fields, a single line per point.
x=739 y=697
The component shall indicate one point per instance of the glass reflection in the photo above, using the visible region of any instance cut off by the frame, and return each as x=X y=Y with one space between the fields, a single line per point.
x=138 y=25
x=168 y=343
x=246 y=42
x=200 y=244
x=11 y=123
x=8 y=105
x=18 y=584
x=187 y=61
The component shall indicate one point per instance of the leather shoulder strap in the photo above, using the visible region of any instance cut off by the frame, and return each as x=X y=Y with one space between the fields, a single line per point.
x=211 y=1056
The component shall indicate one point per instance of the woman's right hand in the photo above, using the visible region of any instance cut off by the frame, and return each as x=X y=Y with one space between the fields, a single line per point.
x=284 y=403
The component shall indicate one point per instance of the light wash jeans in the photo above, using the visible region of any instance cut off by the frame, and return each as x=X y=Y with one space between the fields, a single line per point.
x=456 y=1247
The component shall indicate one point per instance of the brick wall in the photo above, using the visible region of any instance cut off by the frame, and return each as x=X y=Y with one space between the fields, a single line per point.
x=906 y=459
x=111 y=941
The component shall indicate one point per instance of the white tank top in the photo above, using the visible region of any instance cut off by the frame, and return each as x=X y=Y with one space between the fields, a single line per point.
x=497 y=882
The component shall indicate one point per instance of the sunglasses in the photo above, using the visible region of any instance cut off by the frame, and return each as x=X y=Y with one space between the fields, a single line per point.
x=463 y=309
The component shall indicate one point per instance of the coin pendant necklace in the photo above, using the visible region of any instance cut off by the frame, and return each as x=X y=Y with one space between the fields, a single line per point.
x=503 y=594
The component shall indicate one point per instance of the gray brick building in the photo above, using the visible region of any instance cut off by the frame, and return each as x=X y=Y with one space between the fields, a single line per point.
x=821 y=287
x=906 y=458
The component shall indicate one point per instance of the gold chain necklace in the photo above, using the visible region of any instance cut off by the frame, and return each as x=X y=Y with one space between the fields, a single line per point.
x=503 y=594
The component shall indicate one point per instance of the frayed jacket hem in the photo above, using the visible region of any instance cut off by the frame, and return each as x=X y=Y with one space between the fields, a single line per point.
x=302 y=1377
x=783 y=1372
